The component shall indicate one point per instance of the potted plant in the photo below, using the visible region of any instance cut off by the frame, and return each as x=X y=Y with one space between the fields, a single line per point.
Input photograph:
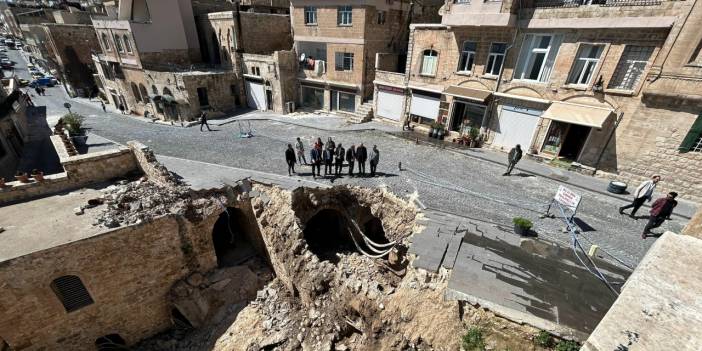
x=73 y=123
x=474 y=135
x=522 y=226
x=22 y=177
x=38 y=175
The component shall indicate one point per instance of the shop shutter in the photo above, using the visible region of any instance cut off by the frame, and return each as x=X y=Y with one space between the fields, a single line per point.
x=692 y=136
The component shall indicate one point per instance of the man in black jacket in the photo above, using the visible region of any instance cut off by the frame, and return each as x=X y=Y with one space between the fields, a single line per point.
x=328 y=160
x=351 y=158
x=290 y=159
x=361 y=157
x=339 y=159
x=512 y=158
x=203 y=121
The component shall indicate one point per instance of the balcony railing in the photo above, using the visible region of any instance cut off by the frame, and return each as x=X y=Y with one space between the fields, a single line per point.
x=603 y=3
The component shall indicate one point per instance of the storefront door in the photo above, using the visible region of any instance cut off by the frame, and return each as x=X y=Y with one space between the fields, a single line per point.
x=466 y=115
x=565 y=140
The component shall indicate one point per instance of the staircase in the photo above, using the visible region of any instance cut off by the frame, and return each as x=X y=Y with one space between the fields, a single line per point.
x=364 y=113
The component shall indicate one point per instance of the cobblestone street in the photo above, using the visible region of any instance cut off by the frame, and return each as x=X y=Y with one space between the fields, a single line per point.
x=438 y=178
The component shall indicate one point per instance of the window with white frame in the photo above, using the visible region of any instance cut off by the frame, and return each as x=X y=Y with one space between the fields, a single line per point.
x=344 y=16
x=537 y=57
x=631 y=67
x=310 y=15
x=496 y=58
x=118 y=43
x=585 y=63
x=465 y=64
x=429 y=62
x=344 y=61
x=381 y=17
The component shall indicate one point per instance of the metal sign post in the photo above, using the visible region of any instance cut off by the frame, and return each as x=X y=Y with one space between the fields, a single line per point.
x=567 y=199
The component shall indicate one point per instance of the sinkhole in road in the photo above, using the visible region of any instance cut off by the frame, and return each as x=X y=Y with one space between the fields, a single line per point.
x=327 y=233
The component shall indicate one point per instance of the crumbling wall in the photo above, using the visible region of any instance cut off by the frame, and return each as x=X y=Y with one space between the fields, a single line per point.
x=147 y=163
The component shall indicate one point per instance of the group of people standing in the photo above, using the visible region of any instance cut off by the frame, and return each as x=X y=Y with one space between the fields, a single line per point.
x=332 y=156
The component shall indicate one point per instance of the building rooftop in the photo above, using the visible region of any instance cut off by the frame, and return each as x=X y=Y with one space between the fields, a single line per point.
x=41 y=224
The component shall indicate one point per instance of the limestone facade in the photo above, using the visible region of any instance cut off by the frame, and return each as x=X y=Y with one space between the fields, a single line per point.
x=71 y=46
x=650 y=115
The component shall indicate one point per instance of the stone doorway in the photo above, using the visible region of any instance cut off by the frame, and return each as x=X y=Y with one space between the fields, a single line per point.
x=231 y=241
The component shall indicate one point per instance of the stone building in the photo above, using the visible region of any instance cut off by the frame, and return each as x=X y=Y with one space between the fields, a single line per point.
x=256 y=48
x=568 y=81
x=337 y=45
x=14 y=131
x=70 y=48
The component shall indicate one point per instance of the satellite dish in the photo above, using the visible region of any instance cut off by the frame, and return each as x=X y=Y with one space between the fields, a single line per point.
x=303 y=57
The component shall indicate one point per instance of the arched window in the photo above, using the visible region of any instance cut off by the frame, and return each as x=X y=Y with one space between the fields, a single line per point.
x=154 y=90
x=167 y=91
x=71 y=292
x=127 y=43
x=429 y=62
x=135 y=91
x=467 y=56
x=144 y=94
x=118 y=43
x=106 y=42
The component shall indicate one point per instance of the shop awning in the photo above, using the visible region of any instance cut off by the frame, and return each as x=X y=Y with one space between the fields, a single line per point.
x=589 y=116
x=468 y=93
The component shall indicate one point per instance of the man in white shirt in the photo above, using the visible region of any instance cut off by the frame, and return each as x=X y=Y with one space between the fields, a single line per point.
x=642 y=194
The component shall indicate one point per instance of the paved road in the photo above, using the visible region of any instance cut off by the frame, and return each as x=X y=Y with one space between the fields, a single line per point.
x=439 y=179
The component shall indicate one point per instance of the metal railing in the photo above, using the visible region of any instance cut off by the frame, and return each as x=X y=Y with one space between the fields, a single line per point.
x=603 y=3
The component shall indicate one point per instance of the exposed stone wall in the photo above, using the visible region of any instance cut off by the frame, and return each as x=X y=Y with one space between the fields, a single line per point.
x=72 y=46
x=147 y=163
x=278 y=74
x=128 y=272
x=219 y=92
x=694 y=226
x=265 y=33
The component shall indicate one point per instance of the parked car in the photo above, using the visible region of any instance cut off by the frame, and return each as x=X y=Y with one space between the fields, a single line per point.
x=23 y=82
x=42 y=82
x=54 y=81
x=37 y=75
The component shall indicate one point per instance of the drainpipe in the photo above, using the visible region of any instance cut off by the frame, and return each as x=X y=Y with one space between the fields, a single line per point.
x=609 y=139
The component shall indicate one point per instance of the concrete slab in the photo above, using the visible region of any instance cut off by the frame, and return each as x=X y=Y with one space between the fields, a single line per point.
x=660 y=306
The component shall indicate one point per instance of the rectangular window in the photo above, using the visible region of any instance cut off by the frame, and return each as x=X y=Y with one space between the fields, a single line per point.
x=344 y=61
x=495 y=58
x=631 y=67
x=202 y=97
x=310 y=15
x=693 y=139
x=537 y=57
x=585 y=63
x=465 y=64
x=429 y=62
x=344 y=16
x=381 y=17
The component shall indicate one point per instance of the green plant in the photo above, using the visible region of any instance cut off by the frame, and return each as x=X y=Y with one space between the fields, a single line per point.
x=473 y=340
x=474 y=133
x=567 y=345
x=522 y=222
x=543 y=339
x=73 y=122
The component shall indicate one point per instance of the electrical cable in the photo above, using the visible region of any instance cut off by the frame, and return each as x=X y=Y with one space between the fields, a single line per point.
x=358 y=247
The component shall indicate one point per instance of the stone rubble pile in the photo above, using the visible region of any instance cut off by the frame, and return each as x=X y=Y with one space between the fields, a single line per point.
x=129 y=203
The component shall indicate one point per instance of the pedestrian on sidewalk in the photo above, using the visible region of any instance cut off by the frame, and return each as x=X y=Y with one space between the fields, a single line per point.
x=661 y=210
x=361 y=157
x=642 y=194
x=43 y=91
x=316 y=159
x=339 y=165
x=300 y=148
x=203 y=121
x=37 y=90
x=121 y=108
x=374 y=159
x=330 y=144
x=290 y=159
x=512 y=158
x=351 y=158
x=328 y=158
x=102 y=104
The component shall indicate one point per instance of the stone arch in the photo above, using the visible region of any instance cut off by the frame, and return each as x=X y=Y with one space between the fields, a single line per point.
x=592 y=100
x=135 y=92
x=154 y=90
x=144 y=93
x=474 y=84
x=525 y=91
x=167 y=91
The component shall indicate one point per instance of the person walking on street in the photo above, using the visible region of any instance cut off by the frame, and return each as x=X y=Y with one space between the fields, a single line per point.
x=203 y=121
x=300 y=148
x=339 y=165
x=43 y=91
x=361 y=156
x=328 y=159
x=642 y=194
x=660 y=211
x=102 y=104
x=512 y=158
x=37 y=90
x=316 y=159
x=374 y=159
x=290 y=159
x=351 y=158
